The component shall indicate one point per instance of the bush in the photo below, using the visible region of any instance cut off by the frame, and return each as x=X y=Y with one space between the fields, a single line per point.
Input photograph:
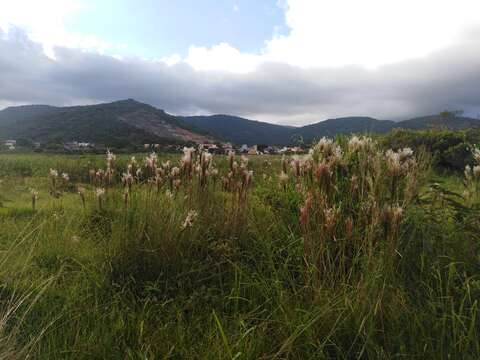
x=451 y=150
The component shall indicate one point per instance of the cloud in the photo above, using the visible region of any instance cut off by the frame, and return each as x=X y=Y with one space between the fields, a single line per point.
x=45 y=22
x=275 y=92
x=336 y=33
x=222 y=57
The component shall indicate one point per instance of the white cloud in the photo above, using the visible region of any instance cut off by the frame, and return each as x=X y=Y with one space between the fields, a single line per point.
x=335 y=33
x=326 y=33
x=45 y=22
x=369 y=32
x=221 y=57
x=171 y=60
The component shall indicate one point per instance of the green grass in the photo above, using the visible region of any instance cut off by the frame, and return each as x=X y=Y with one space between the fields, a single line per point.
x=247 y=280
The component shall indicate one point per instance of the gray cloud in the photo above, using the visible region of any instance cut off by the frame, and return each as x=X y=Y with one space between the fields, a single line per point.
x=273 y=92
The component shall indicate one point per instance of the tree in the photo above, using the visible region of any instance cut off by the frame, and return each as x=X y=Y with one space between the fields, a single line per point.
x=451 y=113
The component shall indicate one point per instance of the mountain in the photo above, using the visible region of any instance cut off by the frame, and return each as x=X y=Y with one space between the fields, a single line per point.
x=114 y=124
x=245 y=131
x=129 y=122
x=16 y=115
x=449 y=122
x=346 y=125
x=241 y=131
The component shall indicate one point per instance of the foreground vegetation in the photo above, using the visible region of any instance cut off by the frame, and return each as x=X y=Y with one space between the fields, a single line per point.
x=353 y=251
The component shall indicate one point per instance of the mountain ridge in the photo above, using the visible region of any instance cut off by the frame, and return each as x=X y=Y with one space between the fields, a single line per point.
x=130 y=121
x=118 y=123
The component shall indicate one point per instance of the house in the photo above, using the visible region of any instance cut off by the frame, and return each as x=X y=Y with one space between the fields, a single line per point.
x=291 y=150
x=227 y=148
x=10 y=144
x=296 y=150
x=243 y=149
x=270 y=150
x=212 y=148
x=253 y=150
x=77 y=145
x=71 y=146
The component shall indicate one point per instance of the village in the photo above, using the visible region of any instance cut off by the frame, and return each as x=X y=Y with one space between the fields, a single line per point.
x=214 y=148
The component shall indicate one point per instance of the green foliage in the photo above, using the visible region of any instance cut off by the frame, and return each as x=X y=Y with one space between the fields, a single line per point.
x=451 y=150
x=131 y=280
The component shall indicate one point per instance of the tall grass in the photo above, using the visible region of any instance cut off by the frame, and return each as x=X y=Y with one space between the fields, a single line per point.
x=351 y=251
x=18 y=295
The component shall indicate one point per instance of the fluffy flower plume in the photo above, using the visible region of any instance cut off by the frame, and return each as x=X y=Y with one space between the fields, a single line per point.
x=283 y=179
x=110 y=157
x=399 y=162
x=327 y=150
x=100 y=192
x=151 y=161
x=363 y=143
x=190 y=219
x=476 y=154
x=53 y=173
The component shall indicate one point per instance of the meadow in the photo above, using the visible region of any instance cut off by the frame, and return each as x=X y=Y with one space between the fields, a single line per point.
x=354 y=251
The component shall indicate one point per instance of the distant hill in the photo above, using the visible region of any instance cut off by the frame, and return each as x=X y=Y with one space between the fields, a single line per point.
x=346 y=125
x=116 y=124
x=450 y=122
x=244 y=131
x=130 y=122
x=241 y=131
x=18 y=115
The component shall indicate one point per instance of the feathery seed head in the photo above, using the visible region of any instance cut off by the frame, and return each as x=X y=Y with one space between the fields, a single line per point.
x=100 y=192
x=476 y=154
x=283 y=179
x=331 y=217
x=231 y=157
x=393 y=215
x=190 y=219
x=296 y=165
x=110 y=157
x=476 y=171
x=305 y=211
x=323 y=174
x=177 y=183
x=175 y=172
x=360 y=144
x=34 y=193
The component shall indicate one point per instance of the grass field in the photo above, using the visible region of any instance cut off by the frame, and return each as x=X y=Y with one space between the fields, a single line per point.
x=350 y=252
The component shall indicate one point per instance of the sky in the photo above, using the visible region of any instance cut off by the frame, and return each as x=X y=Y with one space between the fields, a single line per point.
x=290 y=62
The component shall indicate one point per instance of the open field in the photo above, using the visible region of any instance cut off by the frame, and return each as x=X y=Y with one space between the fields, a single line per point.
x=350 y=252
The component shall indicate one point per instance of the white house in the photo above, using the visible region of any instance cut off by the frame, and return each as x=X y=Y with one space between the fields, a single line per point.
x=10 y=144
